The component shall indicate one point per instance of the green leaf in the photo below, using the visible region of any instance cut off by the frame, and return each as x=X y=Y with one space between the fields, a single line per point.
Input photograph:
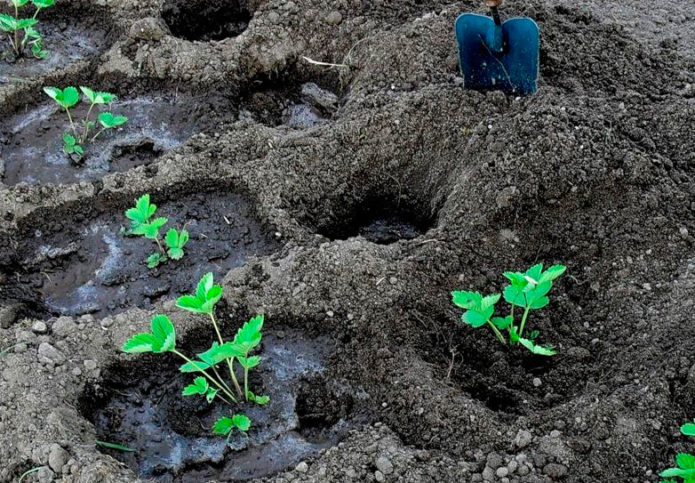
x=503 y=322
x=537 y=349
x=685 y=461
x=204 y=285
x=514 y=295
x=8 y=23
x=210 y=396
x=517 y=279
x=176 y=241
x=249 y=362
x=69 y=140
x=249 y=335
x=465 y=299
x=151 y=229
x=190 y=303
x=218 y=353
x=552 y=273
x=154 y=260
x=140 y=343
x=207 y=295
x=260 y=400
x=43 y=3
x=211 y=298
x=534 y=273
x=474 y=319
x=241 y=422
x=164 y=330
x=194 y=366
x=109 y=121
x=66 y=98
x=489 y=301
x=142 y=212
x=688 y=429
x=200 y=386
x=225 y=425
x=19 y=3
x=539 y=303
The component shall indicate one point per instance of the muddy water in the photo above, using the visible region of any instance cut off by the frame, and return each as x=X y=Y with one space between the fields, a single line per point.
x=65 y=42
x=31 y=142
x=143 y=416
x=94 y=268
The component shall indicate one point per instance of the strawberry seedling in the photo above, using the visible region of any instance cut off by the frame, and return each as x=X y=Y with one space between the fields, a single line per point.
x=22 y=32
x=527 y=290
x=68 y=98
x=685 y=462
x=142 y=223
x=209 y=384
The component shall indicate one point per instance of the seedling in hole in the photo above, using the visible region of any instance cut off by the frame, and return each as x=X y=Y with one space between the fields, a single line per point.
x=21 y=31
x=210 y=383
x=527 y=290
x=142 y=223
x=68 y=98
x=685 y=462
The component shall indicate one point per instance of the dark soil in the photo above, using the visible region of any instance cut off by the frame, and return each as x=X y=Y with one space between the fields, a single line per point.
x=67 y=38
x=172 y=436
x=349 y=216
x=205 y=21
x=91 y=267
x=33 y=151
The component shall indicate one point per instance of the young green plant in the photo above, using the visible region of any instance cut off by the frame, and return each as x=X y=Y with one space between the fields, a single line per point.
x=209 y=383
x=685 y=462
x=143 y=223
x=68 y=98
x=21 y=31
x=527 y=290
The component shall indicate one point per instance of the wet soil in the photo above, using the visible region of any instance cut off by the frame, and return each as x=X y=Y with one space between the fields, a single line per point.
x=171 y=435
x=66 y=40
x=91 y=267
x=31 y=142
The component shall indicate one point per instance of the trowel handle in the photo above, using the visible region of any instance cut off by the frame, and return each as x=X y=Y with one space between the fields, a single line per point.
x=493 y=3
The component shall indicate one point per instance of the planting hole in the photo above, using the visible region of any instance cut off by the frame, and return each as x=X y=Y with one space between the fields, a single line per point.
x=31 y=143
x=66 y=41
x=205 y=20
x=91 y=267
x=380 y=222
x=171 y=434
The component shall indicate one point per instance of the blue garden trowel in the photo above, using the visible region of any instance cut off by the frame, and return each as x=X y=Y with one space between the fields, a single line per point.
x=498 y=56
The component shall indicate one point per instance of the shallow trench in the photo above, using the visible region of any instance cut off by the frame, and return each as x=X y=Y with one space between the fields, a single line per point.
x=144 y=410
x=89 y=266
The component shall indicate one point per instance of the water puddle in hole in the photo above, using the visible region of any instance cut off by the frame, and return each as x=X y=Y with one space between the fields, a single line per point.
x=172 y=434
x=94 y=269
x=389 y=230
x=31 y=142
x=65 y=42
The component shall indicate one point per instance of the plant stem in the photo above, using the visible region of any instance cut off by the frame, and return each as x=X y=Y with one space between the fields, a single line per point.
x=16 y=32
x=523 y=321
x=97 y=135
x=246 y=383
x=497 y=332
x=230 y=362
x=86 y=125
x=72 y=125
x=161 y=248
x=220 y=378
x=36 y=13
x=208 y=376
